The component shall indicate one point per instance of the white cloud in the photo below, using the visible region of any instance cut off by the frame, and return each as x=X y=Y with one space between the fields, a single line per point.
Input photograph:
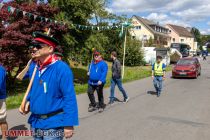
x=156 y=5
x=205 y=32
x=165 y=19
x=179 y=12
x=157 y=17
x=137 y=5
x=180 y=5
x=198 y=13
x=188 y=10
x=109 y=10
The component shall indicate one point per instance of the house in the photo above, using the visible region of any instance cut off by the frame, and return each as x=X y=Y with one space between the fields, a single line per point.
x=181 y=34
x=149 y=32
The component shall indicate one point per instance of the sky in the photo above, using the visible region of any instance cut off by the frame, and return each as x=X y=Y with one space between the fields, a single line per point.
x=187 y=13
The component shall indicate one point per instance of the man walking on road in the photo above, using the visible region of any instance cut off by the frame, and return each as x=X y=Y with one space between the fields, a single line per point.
x=3 y=115
x=97 y=78
x=158 y=74
x=116 y=79
x=52 y=98
x=204 y=54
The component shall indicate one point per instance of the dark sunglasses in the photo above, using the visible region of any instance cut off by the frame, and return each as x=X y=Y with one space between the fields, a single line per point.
x=37 y=46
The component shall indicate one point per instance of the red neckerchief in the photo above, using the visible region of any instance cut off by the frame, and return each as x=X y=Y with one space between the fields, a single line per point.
x=50 y=60
x=97 y=61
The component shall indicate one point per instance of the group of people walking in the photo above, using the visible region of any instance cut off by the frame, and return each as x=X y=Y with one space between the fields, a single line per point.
x=97 y=79
x=51 y=97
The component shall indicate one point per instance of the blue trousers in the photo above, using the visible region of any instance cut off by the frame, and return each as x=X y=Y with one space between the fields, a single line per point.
x=49 y=134
x=158 y=84
x=117 y=82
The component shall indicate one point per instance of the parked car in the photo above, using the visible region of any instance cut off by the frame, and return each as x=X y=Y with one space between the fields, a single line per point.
x=187 y=67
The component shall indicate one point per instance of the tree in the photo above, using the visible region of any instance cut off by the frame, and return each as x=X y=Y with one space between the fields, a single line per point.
x=205 y=39
x=134 y=55
x=16 y=33
x=82 y=12
x=197 y=35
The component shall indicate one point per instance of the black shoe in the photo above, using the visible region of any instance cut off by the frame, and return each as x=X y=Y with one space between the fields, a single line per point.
x=101 y=108
x=92 y=108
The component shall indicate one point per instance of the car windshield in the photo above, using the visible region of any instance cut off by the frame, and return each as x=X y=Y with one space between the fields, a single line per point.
x=185 y=62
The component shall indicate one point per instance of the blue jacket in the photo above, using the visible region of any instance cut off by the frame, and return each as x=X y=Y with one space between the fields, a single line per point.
x=98 y=72
x=52 y=91
x=2 y=83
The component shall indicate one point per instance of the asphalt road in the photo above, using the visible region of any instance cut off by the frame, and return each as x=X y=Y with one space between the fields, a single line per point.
x=182 y=112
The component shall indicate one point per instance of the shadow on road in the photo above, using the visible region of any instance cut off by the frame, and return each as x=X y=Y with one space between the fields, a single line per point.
x=152 y=92
x=117 y=100
x=19 y=127
x=177 y=120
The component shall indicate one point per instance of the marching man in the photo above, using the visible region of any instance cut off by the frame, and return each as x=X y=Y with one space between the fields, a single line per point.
x=3 y=115
x=158 y=74
x=116 y=79
x=52 y=98
x=97 y=79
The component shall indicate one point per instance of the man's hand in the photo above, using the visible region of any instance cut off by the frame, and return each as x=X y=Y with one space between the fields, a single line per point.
x=99 y=82
x=26 y=109
x=152 y=77
x=68 y=132
x=164 y=78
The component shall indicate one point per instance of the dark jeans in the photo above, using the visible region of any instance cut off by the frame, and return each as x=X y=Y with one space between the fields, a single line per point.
x=99 y=90
x=117 y=82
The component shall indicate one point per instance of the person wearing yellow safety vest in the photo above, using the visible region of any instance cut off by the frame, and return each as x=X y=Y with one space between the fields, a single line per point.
x=158 y=74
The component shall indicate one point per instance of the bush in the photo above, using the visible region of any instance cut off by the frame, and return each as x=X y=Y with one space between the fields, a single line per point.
x=134 y=55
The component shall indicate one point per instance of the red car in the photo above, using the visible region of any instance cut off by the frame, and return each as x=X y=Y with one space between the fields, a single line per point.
x=187 y=67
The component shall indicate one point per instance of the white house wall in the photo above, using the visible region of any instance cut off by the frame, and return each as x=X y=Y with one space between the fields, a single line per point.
x=175 y=38
x=142 y=33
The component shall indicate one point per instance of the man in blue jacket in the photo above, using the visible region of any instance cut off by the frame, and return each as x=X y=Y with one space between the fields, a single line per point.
x=52 y=98
x=97 y=79
x=3 y=122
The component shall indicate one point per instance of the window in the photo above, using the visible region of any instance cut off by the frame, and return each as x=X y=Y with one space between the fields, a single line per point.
x=182 y=40
x=144 y=37
x=138 y=27
x=173 y=39
x=164 y=30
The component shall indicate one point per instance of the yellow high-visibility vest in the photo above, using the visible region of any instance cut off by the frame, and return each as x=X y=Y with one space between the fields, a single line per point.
x=158 y=68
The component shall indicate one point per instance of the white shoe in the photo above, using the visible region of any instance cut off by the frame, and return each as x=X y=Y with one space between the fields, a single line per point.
x=126 y=100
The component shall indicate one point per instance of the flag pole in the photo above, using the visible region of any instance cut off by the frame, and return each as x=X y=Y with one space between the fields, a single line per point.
x=123 y=72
